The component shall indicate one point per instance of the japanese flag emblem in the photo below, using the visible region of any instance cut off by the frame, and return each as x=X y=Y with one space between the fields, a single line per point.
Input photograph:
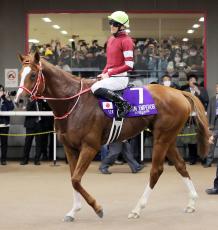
x=107 y=105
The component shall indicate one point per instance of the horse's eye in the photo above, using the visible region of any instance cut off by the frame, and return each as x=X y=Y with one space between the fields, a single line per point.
x=33 y=76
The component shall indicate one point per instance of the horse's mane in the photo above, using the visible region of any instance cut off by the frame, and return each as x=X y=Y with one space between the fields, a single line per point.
x=87 y=82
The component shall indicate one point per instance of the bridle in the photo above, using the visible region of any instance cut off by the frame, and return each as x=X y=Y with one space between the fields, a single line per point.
x=37 y=91
x=40 y=80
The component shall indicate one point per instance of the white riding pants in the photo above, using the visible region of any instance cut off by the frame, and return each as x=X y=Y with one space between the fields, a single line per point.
x=111 y=83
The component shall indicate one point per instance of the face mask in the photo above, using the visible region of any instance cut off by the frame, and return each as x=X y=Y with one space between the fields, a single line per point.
x=177 y=59
x=193 y=53
x=185 y=56
x=150 y=50
x=41 y=50
x=167 y=83
x=184 y=47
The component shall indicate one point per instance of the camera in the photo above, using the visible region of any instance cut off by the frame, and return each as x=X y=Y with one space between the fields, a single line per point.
x=12 y=93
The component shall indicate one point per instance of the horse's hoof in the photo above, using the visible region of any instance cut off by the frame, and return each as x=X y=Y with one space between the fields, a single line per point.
x=189 y=209
x=100 y=213
x=68 y=219
x=133 y=215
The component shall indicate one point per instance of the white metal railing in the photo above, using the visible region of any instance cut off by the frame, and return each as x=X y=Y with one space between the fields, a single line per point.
x=26 y=113
x=50 y=113
x=34 y=113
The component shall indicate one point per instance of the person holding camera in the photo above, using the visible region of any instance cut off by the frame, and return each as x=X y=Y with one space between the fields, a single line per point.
x=6 y=105
x=151 y=60
x=202 y=94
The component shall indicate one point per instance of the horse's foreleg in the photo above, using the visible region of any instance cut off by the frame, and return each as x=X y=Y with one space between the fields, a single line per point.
x=85 y=157
x=175 y=157
x=158 y=156
x=135 y=213
x=72 y=158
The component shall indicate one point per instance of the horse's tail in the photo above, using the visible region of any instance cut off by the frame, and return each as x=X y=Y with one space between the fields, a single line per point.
x=203 y=132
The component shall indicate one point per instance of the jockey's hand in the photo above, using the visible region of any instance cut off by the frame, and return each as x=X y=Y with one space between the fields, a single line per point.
x=104 y=76
x=99 y=77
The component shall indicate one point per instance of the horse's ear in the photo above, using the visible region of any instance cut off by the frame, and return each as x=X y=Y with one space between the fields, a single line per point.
x=36 y=57
x=20 y=57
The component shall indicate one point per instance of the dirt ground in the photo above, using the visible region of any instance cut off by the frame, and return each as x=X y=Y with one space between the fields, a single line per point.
x=38 y=197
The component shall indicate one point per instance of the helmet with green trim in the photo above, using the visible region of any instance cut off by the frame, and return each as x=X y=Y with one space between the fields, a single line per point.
x=121 y=17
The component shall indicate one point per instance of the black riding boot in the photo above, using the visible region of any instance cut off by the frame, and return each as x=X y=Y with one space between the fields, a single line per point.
x=123 y=106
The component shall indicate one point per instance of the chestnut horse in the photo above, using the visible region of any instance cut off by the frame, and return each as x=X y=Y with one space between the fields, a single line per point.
x=83 y=128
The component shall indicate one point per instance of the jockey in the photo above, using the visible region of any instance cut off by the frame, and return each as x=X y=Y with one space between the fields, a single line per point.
x=119 y=60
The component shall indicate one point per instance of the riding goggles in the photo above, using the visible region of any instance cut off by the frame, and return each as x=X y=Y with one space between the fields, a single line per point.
x=114 y=23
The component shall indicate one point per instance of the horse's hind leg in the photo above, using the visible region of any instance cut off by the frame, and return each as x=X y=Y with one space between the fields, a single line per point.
x=174 y=156
x=158 y=156
x=72 y=158
x=86 y=155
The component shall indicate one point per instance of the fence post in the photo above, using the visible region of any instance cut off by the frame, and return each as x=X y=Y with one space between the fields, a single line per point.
x=55 y=149
x=142 y=146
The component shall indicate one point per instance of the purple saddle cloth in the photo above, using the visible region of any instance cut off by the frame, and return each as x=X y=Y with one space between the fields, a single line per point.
x=139 y=98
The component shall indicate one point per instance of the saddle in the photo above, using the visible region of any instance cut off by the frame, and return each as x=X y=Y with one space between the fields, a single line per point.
x=139 y=98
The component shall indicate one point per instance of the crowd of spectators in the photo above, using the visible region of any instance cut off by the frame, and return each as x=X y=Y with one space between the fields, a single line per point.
x=73 y=56
x=152 y=59
x=169 y=57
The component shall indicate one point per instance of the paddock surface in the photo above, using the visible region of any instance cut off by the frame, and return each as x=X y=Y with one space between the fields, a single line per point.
x=37 y=197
